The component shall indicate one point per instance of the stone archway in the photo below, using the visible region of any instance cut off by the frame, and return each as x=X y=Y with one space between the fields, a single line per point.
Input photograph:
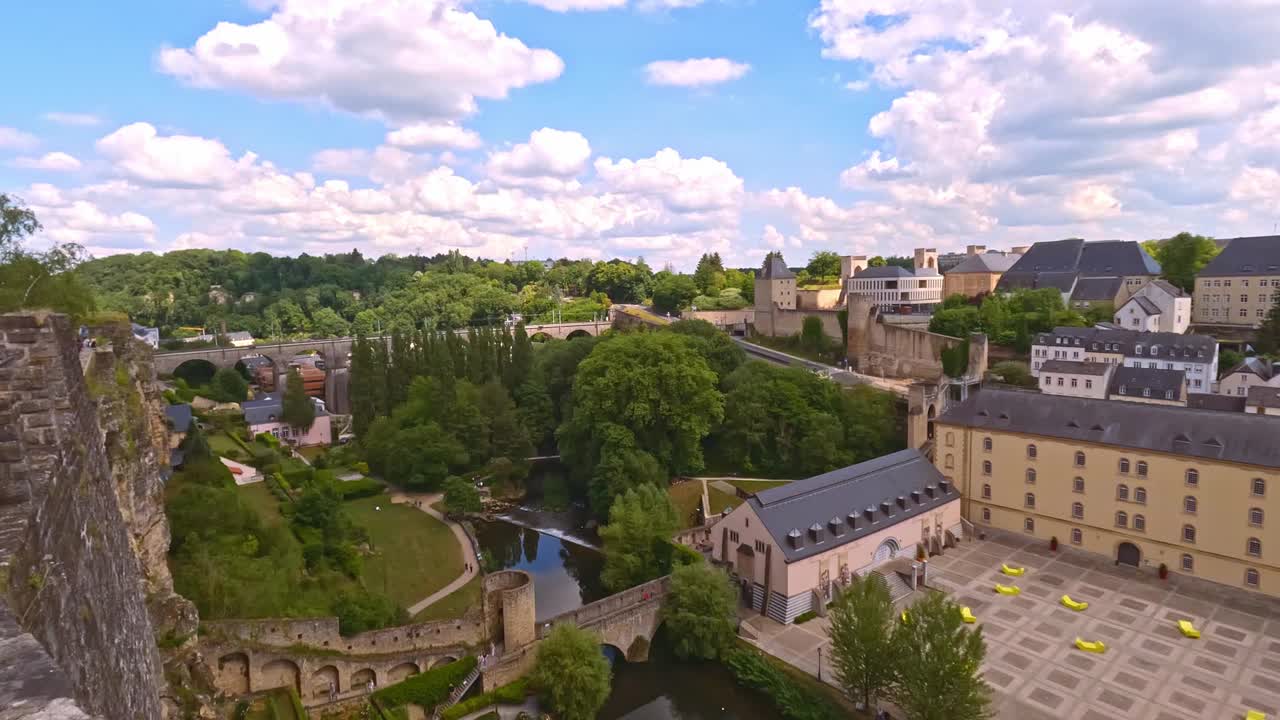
x=400 y=672
x=196 y=371
x=442 y=661
x=539 y=337
x=579 y=333
x=281 y=673
x=887 y=551
x=233 y=674
x=323 y=681
x=933 y=413
x=361 y=678
x=1128 y=554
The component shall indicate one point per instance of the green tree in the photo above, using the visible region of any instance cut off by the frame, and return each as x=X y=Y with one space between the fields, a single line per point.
x=955 y=322
x=1013 y=372
x=1182 y=256
x=461 y=496
x=863 y=650
x=622 y=281
x=877 y=261
x=571 y=674
x=640 y=521
x=673 y=293
x=722 y=354
x=812 y=336
x=700 y=611
x=297 y=408
x=521 y=364
x=326 y=322
x=824 y=265
x=708 y=276
x=362 y=387
x=939 y=676
x=229 y=385
x=195 y=447
x=31 y=279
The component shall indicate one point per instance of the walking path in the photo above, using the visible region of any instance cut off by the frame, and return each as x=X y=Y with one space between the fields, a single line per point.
x=424 y=501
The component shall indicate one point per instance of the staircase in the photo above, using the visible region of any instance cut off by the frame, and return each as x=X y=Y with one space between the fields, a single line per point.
x=457 y=693
x=897 y=587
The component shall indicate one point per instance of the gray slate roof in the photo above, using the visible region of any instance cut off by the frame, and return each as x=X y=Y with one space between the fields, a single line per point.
x=1172 y=346
x=1264 y=396
x=1075 y=367
x=774 y=269
x=1253 y=365
x=1231 y=437
x=987 y=262
x=1132 y=381
x=179 y=417
x=1044 y=263
x=885 y=271
x=828 y=503
x=268 y=407
x=1147 y=306
x=1102 y=289
x=1168 y=287
x=1220 y=403
x=1246 y=256
x=1116 y=257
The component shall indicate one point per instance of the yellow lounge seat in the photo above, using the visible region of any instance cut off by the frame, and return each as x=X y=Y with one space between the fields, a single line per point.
x=1255 y=715
x=1015 y=572
x=1007 y=589
x=1074 y=604
x=1187 y=629
x=967 y=615
x=904 y=616
x=1097 y=646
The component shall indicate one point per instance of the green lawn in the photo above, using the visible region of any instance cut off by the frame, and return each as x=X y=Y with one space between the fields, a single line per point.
x=259 y=497
x=413 y=553
x=686 y=496
x=754 y=486
x=311 y=453
x=221 y=444
x=453 y=605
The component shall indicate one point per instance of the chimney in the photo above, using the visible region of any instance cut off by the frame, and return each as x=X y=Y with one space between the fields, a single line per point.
x=1019 y=249
x=836 y=525
x=815 y=531
x=870 y=513
x=975 y=249
x=902 y=502
x=795 y=539
x=852 y=520
x=944 y=486
x=884 y=508
x=915 y=496
x=928 y=489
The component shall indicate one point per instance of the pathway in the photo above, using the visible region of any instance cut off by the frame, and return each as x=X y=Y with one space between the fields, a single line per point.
x=839 y=375
x=424 y=502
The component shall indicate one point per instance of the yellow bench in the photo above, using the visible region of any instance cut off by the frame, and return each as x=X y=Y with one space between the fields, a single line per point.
x=1007 y=589
x=1015 y=572
x=1255 y=715
x=1074 y=604
x=1097 y=646
x=1187 y=629
x=967 y=615
x=904 y=616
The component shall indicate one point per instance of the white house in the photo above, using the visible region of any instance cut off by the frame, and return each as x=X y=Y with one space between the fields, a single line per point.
x=1250 y=373
x=1075 y=378
x=1156 y=307
x=1195 y=355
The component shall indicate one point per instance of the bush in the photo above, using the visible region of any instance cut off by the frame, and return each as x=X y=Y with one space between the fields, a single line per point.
x=299 y=477
x=362 y=467
x=512 y=694
x=805 y=617
x=427 y=689
x=357 y=489
x=268 y=439
x=795 y=702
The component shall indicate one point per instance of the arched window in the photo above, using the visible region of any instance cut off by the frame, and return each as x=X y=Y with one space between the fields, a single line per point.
x=1193 y=477
x=1031 y=476
x=1188 y=563
x=1140 y=495
x=951 y=438
x=986 y=515
x=1259 y=487
x=1079 y=459
x=1031 y=451
x=950 y=462
x=1077 y=510
x=986 y=467
x=1189 y=504
x=986 y=444
x=1254 y=547
x=1124 y=465
x=1077 y=537
x=1188 y=533
x=1029 y=524
x=1122 y=519
x=1255 y=517
x=1251 y=577
x=1142 y=468
x=986 y=491
x=1139 y=523
x=1077 y=485
x=1029 y=500
x=1122 y=492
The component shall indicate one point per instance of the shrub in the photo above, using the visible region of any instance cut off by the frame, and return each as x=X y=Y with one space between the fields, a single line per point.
x=427 y=689
x=268 y=439
x=794 y=701
x=357 y=489
x=362 y=467
x=299 y=477
x=805 y=617
x=511 y=694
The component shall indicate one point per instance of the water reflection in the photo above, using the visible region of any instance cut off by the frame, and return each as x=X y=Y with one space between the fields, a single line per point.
x=566 y=576
x=665 y=689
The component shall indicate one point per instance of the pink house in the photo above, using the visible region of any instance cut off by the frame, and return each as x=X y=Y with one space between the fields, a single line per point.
x=263 y=416
x=789 y=546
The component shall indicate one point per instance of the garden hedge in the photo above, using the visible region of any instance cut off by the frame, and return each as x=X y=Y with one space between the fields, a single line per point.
x=427 y=689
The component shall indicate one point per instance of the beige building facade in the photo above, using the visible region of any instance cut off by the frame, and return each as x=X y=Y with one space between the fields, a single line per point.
x=1240 y=285
x=1195 y=491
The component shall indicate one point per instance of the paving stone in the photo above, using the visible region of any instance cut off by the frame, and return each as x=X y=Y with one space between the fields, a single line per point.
x=1207 y=663
x=1266 y=683
x=1115 y=699
x=1063 y=678
x=1156 y=647
x=1239 y=619
x=1109 y=632
x=1143 y=663
x=997 y=677
x=1048 y=579
x=1130 y=681
x=1229 y=633
x=1123 y=618
x=1034 y=645
x=1095 y=715
x=1187 y=702
x=1199 y=685
x=1166 y=715
x=1221 y=648
x=1056 y=631
x=1024 y=603
x=1081 y=662
x=1013 y=659
x=1046 y=698
x=1259 y=705
x=1089 y=591
x=1134 y=605
x=1038 y=591
x=1268 y=663
x=1008 y=615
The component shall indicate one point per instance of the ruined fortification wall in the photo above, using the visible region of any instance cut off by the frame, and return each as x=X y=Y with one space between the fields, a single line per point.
x=783 y=323
x=72 y=578
x=322 y=633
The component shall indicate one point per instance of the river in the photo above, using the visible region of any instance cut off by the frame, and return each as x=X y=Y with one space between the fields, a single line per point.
x=566 y=567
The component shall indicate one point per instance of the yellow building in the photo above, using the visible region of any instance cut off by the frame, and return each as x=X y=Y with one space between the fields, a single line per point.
x=1240 y=285
x=1144 y=485
x=977 y=274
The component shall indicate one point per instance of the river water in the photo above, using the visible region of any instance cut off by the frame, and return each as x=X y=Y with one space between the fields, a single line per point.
x=565 y=565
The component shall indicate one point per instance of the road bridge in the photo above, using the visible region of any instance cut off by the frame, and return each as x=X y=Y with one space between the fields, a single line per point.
x=835 y=374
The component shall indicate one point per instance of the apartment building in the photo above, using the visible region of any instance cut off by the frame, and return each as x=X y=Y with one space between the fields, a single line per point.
x=977 y=274
x=1240 y=285
x=1086 y=273
x=1143 y=485
x=1195 y=355
x=1076 y=378
x=1156 y=307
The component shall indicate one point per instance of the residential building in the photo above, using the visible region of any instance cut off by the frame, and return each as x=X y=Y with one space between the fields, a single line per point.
x=1249 y=373
x=148 y=335
x=1263 y=400
x=240 y=339
x=1077 y=378
x=1156 y=307
x=1143 y=485
x=977 y=274
x=790 y=545
x=179 y=418
x=1195 y=355
x=264 y=415
x=776 y=284
x=1064 y=264
x=1240 y=285
x=1155 y=386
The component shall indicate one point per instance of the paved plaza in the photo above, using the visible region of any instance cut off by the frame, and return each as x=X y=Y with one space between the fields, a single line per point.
x=1149 y=671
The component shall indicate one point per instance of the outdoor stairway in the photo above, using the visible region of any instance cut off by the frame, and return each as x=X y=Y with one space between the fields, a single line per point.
x=457 y=693
x=898 y=588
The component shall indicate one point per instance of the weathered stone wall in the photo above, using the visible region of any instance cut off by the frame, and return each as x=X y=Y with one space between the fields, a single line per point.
x=886 y=350
x=322 y=634
x=73 y=579
x=783 y=323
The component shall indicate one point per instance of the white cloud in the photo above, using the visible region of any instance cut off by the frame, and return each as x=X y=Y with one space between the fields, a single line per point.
x=14 y=139
x=857 y=85
x=402 y=60
x=688 y=184
x=695 y=72
x=69 y=219
x=383 y=164
x=568 y=5
x=427 y=136
x=54 y=161
x=550 y=158
x=142 y=154
x=73 y=119
x=1091 y=202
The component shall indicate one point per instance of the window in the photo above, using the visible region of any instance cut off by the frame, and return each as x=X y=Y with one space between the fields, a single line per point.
x=1140 y=495
x=1244 y=298
x=986 y=515
x=1251 y=577
x=1188 y=533
x=1188 y=563
x=986 y=444
x=1074 y=382
x=1255 y=517
x=986 y=467
x=1088 y=384
x=1254 y=547
x=733 y=536
x=1124 y=465
x=1189 y=504
x=1077 y=510
x=1077 y=537
x=1146 y=392
x=1029 y=500
x=1031 y=451
x=1047 y=381
x=1077 y=485
x=950 y=461
x=1244 y=312
x=1139 y=523
x=1122 y=492
x=986 y=491
x=951 y=438
x=1142 y=468
x=760 y=548
x=1031 y=476
x=1259 y=487
x=1079 y=459
x=1029 y=525
x=1122 y=519
x=1193 y=477
x=1059 y=382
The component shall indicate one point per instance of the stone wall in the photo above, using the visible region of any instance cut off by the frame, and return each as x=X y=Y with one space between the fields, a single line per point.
x=322 y=634
x=784 y=323
x=74 y=581
x=886 y=350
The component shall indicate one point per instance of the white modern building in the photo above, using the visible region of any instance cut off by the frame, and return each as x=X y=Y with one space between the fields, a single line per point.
x=1195 y=355
x=1156 y=307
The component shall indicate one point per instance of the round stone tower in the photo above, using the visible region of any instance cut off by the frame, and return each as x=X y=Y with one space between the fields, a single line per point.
x=509 y=608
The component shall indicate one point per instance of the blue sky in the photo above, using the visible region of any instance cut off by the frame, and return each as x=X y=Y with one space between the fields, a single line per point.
x=808 y=125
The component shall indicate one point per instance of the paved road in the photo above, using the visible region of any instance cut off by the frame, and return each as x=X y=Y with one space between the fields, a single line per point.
x=844 y=377
x=424 y=502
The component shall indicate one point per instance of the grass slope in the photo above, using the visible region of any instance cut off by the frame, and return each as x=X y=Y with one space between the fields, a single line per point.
x=414 y=554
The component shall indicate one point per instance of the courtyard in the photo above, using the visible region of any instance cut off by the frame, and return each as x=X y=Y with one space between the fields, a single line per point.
x=1149 y=671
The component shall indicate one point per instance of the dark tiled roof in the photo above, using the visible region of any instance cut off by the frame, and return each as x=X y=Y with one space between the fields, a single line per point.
x=988 y=262
x=1147 y=306
x=179 y=417
x=1246 y=256
x=885 y=271
x=894 y=488
x=774 y=269
x=1264 y=396
x=1075 y=367
x=1097 y=289
x=1170 y=346
x=1052 y=256
x=1253 y=365
x=1239 y=437
x=1220 y=403
x=255 y=361
x=263 y=409
x=1116 y=257
x=1153 y=383
x=1045 y=263
x=1169 y=287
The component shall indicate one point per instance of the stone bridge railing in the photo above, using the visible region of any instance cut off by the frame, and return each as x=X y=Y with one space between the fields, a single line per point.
x=322 y=634
x=594 y=613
